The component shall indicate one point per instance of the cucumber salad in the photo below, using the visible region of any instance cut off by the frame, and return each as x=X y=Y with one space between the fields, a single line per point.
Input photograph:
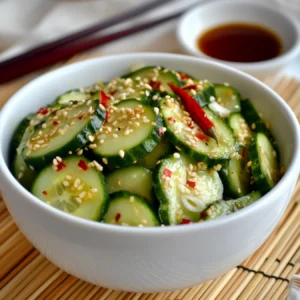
x=153 y=147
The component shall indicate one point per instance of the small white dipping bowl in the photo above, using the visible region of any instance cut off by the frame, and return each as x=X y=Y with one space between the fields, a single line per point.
x=147 y=259
x=205 y=16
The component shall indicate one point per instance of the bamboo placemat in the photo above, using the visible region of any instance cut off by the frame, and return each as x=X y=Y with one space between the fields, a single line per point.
x=26 y=274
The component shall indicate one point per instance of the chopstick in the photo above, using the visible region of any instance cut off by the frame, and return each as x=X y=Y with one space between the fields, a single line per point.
x=64 y=52
x=83 y=33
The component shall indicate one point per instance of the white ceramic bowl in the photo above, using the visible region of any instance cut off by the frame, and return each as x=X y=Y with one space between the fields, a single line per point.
x=214 y=13
x=147 y=259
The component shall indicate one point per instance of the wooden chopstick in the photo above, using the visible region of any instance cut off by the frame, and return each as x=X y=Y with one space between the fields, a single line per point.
x=83 y=33
x=64 y=52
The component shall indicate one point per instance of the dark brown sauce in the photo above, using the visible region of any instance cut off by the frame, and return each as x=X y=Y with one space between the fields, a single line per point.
x=239 y=42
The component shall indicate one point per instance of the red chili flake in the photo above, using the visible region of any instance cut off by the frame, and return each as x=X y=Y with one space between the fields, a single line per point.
x=171 y=120
x=191 y=184
x=54 y=123
x=104 y=98
x=61 y=165
x=243 y=152
x=168 y=172
x=183 y=76
x=190 y=87
x=118 y=216
x=203 y=214
x=44 y=193
x=161 y=132
x=190 y=125
x=80 y=117
x=83 y=165
x=201 y=137
x=112 y=92
x=106 y=115
x=185 y=221
x=43 y=111
x=155 y=84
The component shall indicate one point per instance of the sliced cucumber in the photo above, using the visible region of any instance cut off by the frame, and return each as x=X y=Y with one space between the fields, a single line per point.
x=134 y=179
x=222 y=208
x=151 y=159
x=154 y=75
x=73 y=95
x=188 y=136
x=23 y=173
x=240 y=128
x=183 y=190
x=131 y=132
x=235 y=176
x=228 y=97
x=129 y=209
x=264 y=162
x=67 y=129
x=76 y=188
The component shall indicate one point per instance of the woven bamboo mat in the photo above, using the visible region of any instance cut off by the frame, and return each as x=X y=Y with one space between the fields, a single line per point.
x=26 y=274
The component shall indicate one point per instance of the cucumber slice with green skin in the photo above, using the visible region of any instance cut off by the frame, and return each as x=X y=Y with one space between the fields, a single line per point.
x=222 y=208
x=72 y=95
x=74 y=189
x=153 y=74
x=184 y=133
x=67 y=129
x=128 y=209
x=240 y=128
x=235 y=176
x=228 y=97
x=184 y=190
x=130 y=133
x=264 y=162
x=151 y=159
x=22 y=172
x=134 y=179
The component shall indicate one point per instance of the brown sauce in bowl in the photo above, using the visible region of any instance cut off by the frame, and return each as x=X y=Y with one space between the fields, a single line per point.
x=240 y=42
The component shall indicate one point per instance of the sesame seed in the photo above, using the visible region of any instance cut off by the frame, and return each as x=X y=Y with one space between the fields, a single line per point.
x=79 y=152
x=274 y=153
x=92 y=146
x=91 y=138
x=58 y=158
x=239 y=190
x=66 y=183
x=131 y=199
x=98 y=166
x=156 y=110
x=82 y=195
x=101 y=141
x=69 y=177
x=94 y=190
x=20 y=175
x=102 y=107
x=140 y=225
x=115 y=135
x=212 y=99
x=121 y=153
x=78 y=200
x=105 y=160
x=253 y=126
x=249 y=163
x=44 y=125
x=54 y=161
x=176 y=155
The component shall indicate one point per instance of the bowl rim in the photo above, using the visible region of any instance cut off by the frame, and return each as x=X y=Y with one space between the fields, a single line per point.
x=161 y=230
x=250 y=66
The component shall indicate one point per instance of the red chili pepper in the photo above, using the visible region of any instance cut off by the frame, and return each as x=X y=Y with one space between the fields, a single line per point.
x=43 y=111
x=185 y=221
x=243 y=152
x=201 y=137
x=168 y=172
x=155 y=84
x=118 y=216
x=171 y=120
x=83 y=165
x=195 y=110
x=191 y=184
x=190 y=87
x=54 y=123
x=104 y=98
x=44 y=193
x=61 y=165
x=183 y=76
